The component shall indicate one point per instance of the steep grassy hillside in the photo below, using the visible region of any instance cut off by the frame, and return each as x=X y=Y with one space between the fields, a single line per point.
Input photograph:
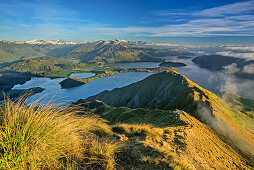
x=193 y=146
x=242 y=104
x=170 y=90
x=165 y=139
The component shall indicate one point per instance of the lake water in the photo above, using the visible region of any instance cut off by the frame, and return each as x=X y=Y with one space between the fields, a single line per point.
x=212 y=81
x=82 y=75
x=67 y=96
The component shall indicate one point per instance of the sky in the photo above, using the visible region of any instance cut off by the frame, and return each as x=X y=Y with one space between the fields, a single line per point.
x=166 y=21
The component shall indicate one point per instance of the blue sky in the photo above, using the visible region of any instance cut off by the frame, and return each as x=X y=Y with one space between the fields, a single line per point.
x=173 y=21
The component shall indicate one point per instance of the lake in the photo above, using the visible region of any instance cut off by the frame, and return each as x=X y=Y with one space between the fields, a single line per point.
x=209 y=80
x=67 y=96
x=82 y=75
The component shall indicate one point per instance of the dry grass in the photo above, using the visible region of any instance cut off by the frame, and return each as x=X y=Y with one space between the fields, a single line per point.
x=159 y=151
x=101 y=153
x=145 y=130
x=45 y=137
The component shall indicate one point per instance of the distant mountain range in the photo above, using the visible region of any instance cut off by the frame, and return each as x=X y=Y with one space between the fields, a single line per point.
x=99 y=52
x=39 y=42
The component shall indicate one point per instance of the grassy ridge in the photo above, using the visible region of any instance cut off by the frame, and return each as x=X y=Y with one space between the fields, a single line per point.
x=170 y=90
x=45 y=137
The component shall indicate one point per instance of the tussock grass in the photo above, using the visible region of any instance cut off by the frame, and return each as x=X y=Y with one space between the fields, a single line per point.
x=46 y=137
x=142 y=130
x=181 y=165
x=101 y=153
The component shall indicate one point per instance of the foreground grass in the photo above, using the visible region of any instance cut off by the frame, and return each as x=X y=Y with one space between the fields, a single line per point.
x=49 y=138
x=150 y=147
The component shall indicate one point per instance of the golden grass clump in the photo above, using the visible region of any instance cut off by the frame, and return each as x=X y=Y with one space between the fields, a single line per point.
x=38 y=137
x=101 y=153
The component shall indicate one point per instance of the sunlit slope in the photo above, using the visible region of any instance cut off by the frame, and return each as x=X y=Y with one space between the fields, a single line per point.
x=164 y=139
x=170 y=90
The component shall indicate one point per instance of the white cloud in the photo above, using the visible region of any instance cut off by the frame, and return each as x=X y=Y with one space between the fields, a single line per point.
x=235 y=19
x=231 y=9
x=242 y=48
x=231 y=69
x=249 y=69
x=248 y=56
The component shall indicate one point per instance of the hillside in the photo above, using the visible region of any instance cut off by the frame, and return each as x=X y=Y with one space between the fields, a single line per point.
x=164 y=139
x=170 y=90
x=47 y=67
x=18 y=51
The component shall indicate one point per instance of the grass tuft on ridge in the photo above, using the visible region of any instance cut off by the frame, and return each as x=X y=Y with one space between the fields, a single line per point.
x=34 y=137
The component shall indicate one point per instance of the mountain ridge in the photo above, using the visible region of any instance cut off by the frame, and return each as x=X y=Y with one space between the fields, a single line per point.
x=190 y=97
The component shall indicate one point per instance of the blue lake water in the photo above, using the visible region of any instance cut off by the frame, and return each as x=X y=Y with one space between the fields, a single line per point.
x=67 y=96
x=212 y=81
